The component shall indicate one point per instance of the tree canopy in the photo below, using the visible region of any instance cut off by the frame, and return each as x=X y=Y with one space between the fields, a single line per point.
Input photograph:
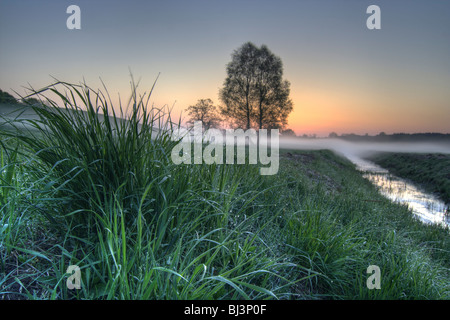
x=206 y=112
x=7 y=98
x=254 y=92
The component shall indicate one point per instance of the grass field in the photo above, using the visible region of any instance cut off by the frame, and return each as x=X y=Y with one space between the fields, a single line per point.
x=103 y=194
x=431 y=171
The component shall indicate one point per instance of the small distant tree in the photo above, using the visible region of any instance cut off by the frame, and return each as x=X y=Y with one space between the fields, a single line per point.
x=288 y=133
x=206 y=112
x=333 y=135
x=33 y=101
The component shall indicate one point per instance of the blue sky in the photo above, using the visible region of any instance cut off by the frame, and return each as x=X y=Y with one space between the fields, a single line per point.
x=344 y=77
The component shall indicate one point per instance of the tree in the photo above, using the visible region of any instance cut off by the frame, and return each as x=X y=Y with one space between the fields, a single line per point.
x=206 y=112
x=333 y=135
x=33 y=101
x=5 y=97
x=254 y=93
x=288 y=133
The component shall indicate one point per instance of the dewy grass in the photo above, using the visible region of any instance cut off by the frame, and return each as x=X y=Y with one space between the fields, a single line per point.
x=344 y=229
x=137 y=225
x=93 y=151
x=89 y=185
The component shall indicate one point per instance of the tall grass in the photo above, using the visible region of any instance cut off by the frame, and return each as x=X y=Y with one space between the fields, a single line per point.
x=136 y=224
x=92 y=150
x=339 y=234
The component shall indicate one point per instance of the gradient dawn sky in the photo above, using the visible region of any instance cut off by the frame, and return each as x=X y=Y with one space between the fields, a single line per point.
x=344 y=77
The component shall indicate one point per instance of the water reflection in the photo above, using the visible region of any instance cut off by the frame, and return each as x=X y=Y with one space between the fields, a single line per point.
x=425 y=206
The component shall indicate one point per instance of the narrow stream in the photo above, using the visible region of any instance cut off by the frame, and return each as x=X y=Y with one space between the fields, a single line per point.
x=425 y=206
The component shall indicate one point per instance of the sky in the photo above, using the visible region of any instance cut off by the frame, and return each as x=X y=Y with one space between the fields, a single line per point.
x=345 y=78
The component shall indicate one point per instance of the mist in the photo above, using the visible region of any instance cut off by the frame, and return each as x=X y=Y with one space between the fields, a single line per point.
x=356 y=151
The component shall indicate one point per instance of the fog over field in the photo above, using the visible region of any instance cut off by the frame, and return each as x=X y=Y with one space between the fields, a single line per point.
x=354 y=151
x=358 y=150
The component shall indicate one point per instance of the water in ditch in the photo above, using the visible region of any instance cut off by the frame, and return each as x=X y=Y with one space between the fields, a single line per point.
x=424 y=205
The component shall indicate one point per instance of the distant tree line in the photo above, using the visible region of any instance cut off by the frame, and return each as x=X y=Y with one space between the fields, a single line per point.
x=381 y=137
x=398 y=137
x=6 y=98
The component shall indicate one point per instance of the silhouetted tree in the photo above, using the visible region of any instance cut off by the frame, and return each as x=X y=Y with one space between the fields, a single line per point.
x=206 y=112
x=33 y=101
x=288 y=133
x=254 y=93
x=5 y=97
x=333 y=135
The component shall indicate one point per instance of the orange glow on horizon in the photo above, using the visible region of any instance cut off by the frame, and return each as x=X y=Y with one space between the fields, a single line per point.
x=318 y=113
x=317 y=110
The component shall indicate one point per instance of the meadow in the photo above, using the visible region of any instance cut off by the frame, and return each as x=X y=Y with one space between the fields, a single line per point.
x=78 y=188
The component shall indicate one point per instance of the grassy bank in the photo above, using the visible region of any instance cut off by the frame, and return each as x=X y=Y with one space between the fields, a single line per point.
x=431 y=171
x=104 y=195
